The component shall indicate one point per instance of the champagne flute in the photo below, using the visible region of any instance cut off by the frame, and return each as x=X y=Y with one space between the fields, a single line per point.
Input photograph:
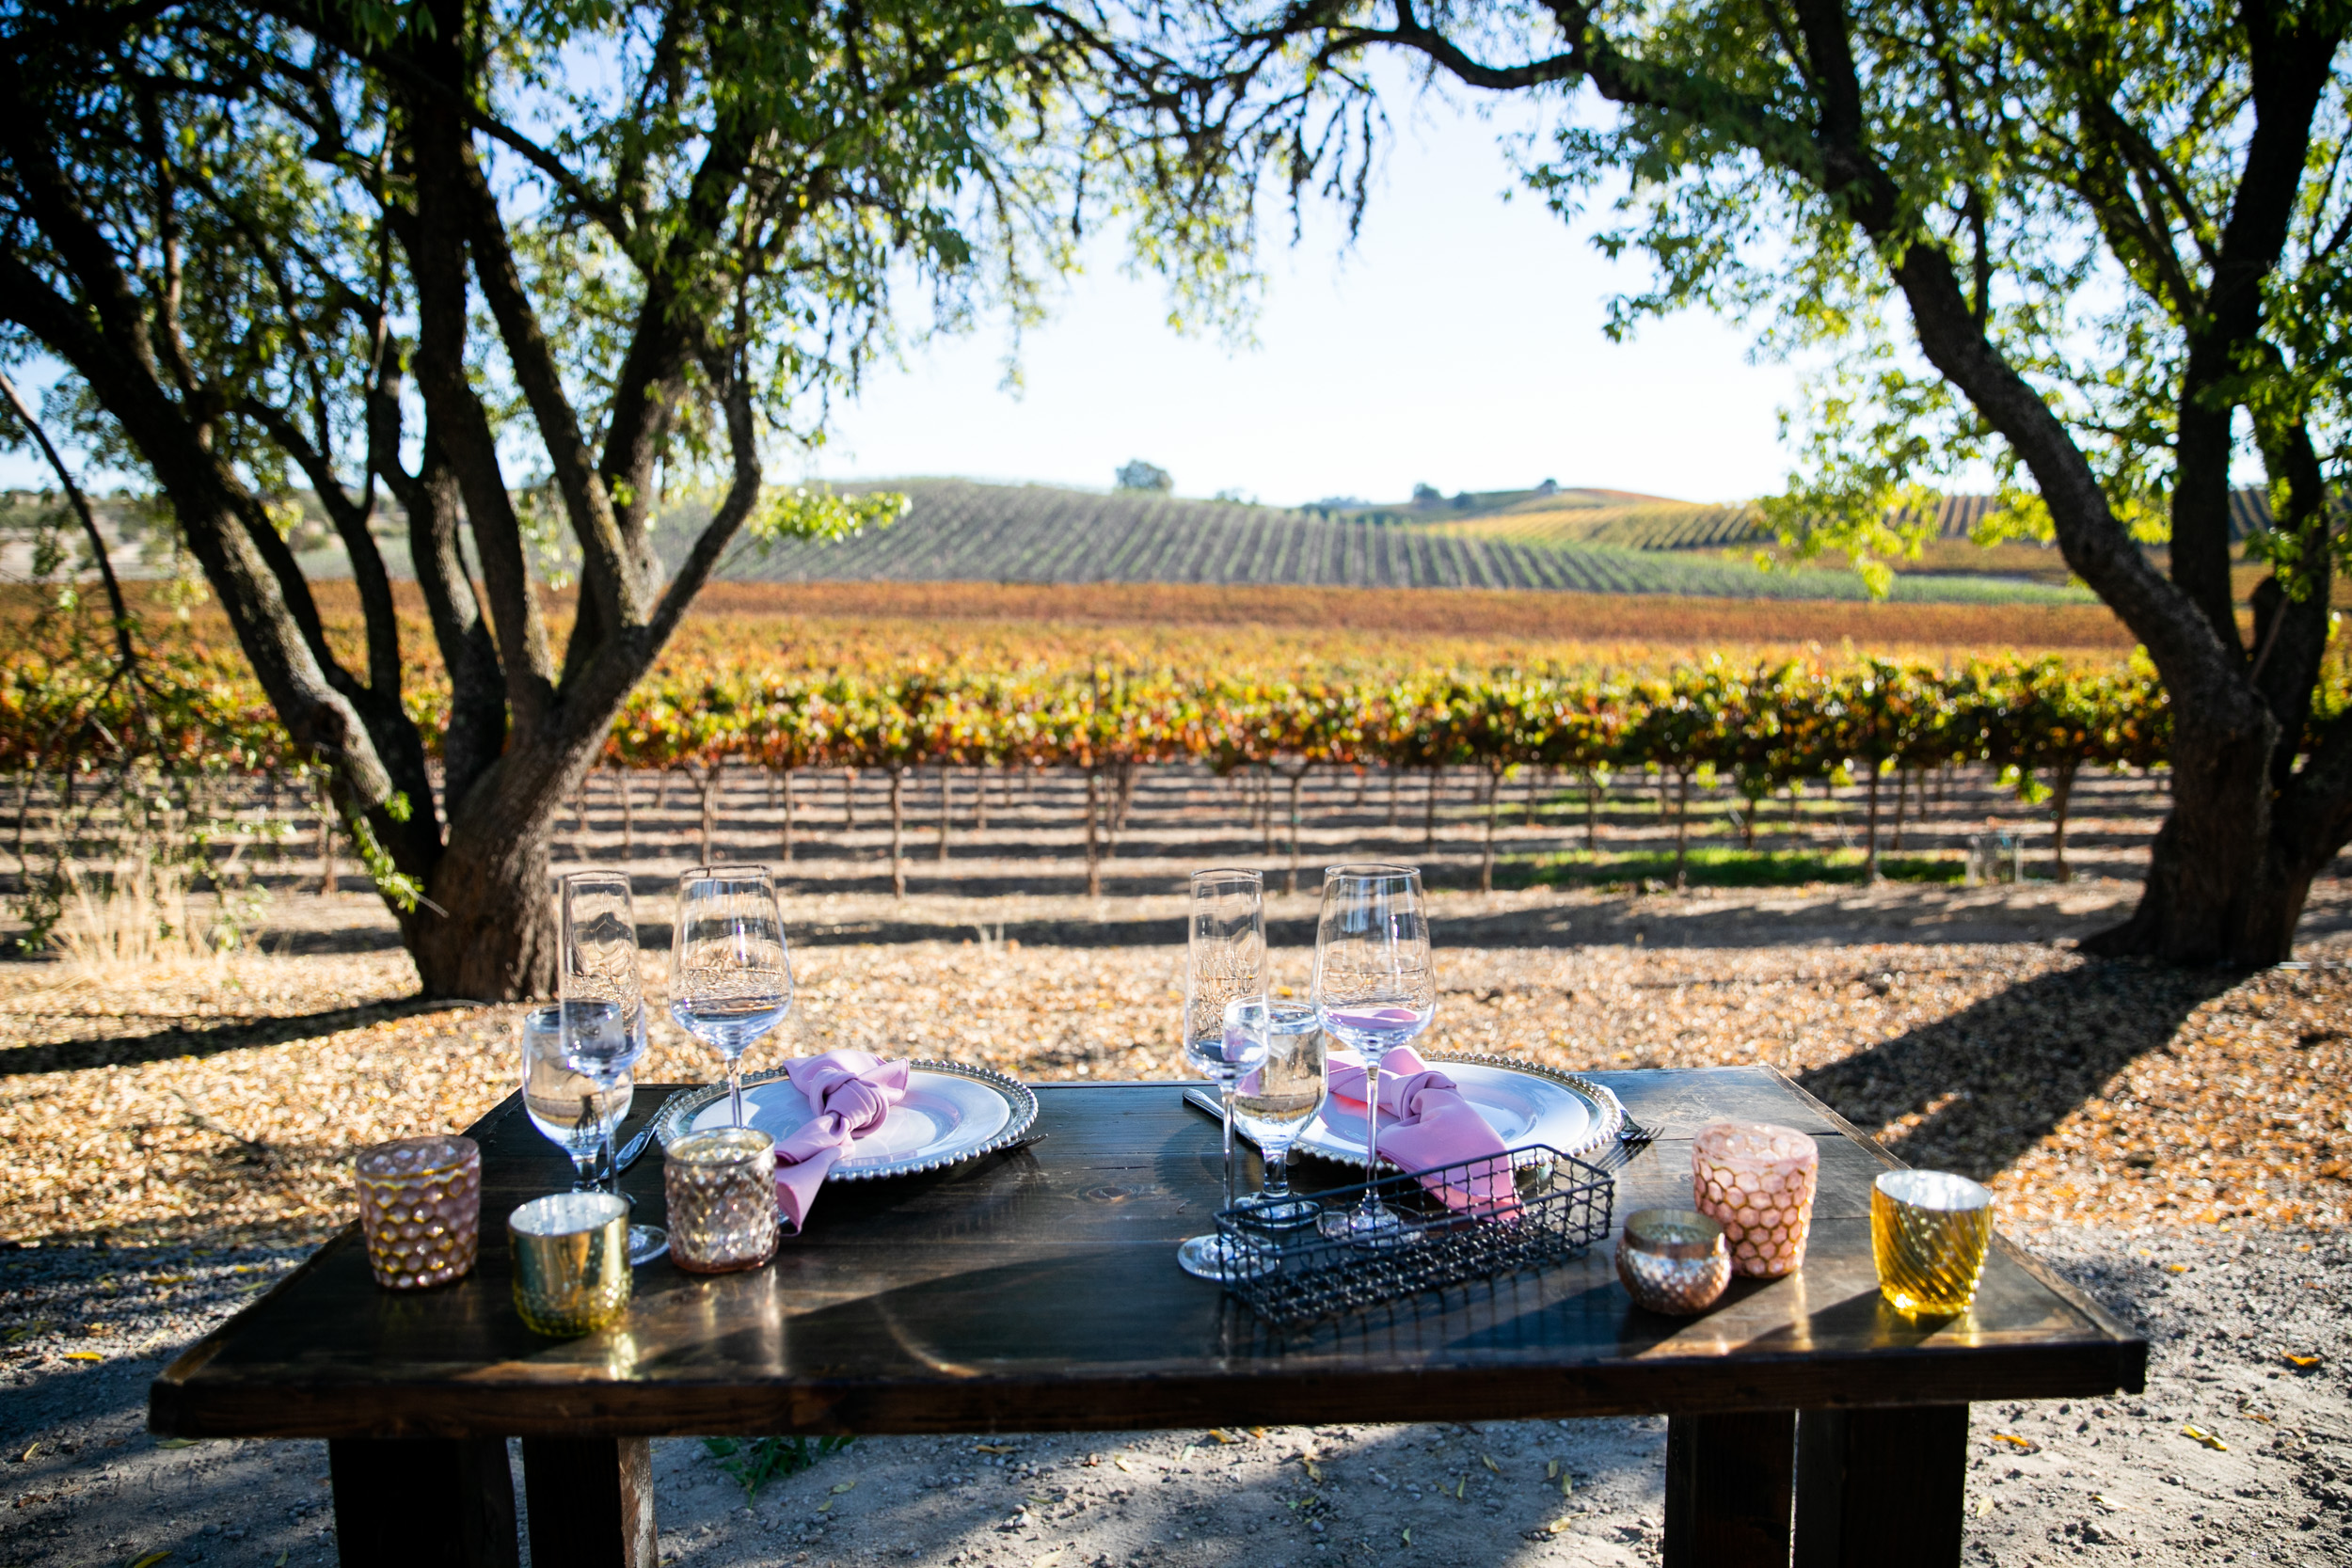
x=574 y=1112
x=601 y=1003
x=730 y=974
x=1375 y=990
x=1274 y=1103
x=1224 y=981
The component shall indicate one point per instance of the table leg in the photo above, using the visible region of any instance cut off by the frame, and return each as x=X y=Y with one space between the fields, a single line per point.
x=1877 y=1486
x=591 y=1501
x=1727 y=1490
x=424 y=1502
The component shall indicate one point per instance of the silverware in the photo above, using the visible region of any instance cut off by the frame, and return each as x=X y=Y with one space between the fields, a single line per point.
x=636 y=1146
x=1628 y=1130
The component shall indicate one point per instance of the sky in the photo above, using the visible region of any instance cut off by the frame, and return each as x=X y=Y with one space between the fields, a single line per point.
x=1458 y=344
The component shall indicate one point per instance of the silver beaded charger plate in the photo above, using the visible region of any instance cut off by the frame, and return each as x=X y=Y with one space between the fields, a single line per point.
x=1524 y=1103
x=952 y=1113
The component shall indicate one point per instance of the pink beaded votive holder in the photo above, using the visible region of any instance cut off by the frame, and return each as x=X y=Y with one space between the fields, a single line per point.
x=1757 y=1182
x=420 y=1210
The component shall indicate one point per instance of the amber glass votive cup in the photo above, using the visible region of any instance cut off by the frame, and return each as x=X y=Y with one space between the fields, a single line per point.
x=1929 y=1231
x=420 y=1210
x=1674 y=1262
x=571 y=1263
x=1757 y=1182
x=722 y=1190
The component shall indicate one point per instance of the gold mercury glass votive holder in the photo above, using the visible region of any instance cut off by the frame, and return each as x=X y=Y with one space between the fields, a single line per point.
x=571 y=1263
x=1757 y=1182
x=1929 y=1234
x=722 y=1190
x=1672 y=1260
x=420 y=1210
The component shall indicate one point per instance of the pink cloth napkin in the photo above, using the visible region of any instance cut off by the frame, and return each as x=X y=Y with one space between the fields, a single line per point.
x=852 y=1092
x=1425 y=1122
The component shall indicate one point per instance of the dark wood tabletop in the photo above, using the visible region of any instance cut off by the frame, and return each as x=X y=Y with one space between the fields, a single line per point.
x=1039 y=1289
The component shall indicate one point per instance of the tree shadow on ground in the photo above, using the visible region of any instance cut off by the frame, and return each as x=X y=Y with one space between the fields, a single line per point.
x=227 y=1034
x=1994 y=1078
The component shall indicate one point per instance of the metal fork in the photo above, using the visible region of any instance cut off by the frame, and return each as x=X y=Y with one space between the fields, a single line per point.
x=1628 y=1130
x=636 y=1146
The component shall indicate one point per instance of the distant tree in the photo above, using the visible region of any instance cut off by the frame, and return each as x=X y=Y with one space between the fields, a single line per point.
x=1548 y=487
x=1427 y=494
x=1139 y=475
x=2104 y=248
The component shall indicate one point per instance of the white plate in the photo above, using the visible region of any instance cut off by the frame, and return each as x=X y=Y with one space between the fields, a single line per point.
x=1523 y=1103
x=950 y=1113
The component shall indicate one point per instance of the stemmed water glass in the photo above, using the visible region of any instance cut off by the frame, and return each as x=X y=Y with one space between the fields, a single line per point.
x=1274 y=1103
x=1224 y=1027
x=601 y=1003
x=730 y=974
x=576 y=1113
x=1375 y=990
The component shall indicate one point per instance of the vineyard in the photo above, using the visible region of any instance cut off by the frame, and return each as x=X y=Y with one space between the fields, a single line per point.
x=957 y=530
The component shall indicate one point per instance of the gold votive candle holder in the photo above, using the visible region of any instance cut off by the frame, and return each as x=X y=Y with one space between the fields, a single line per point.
x=1929 y=1231
x=571 y=1263
x=721 y=1191
x=1672 y=1260
x=420 y=1210
x=1757 y=1182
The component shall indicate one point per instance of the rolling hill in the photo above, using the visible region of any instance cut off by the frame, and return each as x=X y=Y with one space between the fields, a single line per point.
x=960 y=531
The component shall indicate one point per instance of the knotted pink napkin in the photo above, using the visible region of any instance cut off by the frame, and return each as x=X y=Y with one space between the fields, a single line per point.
x=852 y=1092
x=1425 y=1122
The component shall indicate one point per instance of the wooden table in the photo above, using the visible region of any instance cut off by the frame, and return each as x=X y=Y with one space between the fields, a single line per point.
x=1039 y=1292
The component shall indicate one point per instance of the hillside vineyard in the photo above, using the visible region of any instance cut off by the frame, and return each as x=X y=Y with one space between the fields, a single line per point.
x=957 y=531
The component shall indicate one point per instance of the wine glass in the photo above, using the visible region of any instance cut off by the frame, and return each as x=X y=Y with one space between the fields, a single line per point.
x=576 y=1112
x=1274 y=1103
x=1224 y=981
x=602 y=1002
x=1375 y=990
x=730 y=976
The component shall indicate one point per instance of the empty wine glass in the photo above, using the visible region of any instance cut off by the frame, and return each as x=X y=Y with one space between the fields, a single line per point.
x=602 y=1002
x=1224 y=1027
x=576 y=1113
x=730 y=975
x=1375 y=990
x=1274 y=1103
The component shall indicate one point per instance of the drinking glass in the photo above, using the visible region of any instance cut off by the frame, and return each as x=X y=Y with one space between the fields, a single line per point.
x=1276 y=1100
x=576 y=1113
x=730 y=976
x=601 y=1003
x=1224 y=1027
x=1375 y=990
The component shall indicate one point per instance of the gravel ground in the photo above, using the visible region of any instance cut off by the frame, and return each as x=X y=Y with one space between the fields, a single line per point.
x=2247 y=1338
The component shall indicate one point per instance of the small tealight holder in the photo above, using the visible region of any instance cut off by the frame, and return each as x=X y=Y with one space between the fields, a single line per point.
x=1674 y=1262
x=722 y=1190
x=1929 y=1234
x=1757 y=1182
x=571 y=1263
x=420 y=1210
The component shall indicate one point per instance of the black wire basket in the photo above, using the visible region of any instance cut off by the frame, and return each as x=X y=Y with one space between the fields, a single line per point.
x=1480 y=1219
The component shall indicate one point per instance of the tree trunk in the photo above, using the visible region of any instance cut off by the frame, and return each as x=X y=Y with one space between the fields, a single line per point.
x=1871 y=836
x=326 y=842
x=1126 y=799
x=786 y=846
x=1290 y=885
x=499 y=938
x=848 y=799
x=946 y=807
x=1682 y=822
x=1534 y=795
x=1094 y=862
x=712 y=774
x=1902 y=789
x=898 y=835
x=2061 y=796
x=979 y=799
x=1494 y=809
